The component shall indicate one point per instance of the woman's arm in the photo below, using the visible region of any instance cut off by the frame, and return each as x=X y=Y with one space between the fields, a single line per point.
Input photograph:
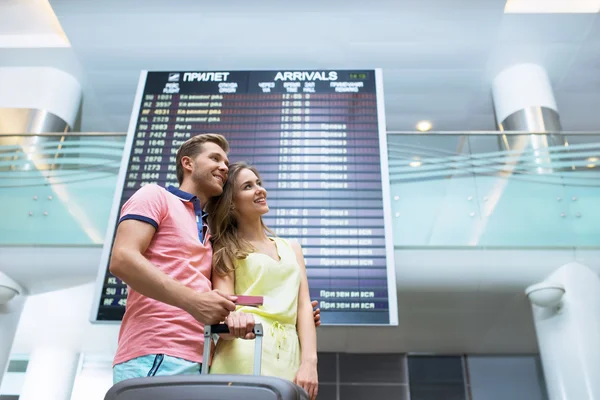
x=241 y=325
x=307 y=373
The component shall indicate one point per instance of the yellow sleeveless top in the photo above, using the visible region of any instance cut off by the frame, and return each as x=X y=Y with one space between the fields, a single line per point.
x=279 y=282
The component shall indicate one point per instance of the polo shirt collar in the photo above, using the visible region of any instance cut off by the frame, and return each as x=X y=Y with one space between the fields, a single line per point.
x=185 y=196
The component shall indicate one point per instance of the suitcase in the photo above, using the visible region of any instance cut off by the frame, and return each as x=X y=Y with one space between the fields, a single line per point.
x=205 y=386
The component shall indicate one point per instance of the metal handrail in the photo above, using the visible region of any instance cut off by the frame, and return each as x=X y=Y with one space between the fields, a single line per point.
x=59 y=134
x=510 y=133
x=440 y=133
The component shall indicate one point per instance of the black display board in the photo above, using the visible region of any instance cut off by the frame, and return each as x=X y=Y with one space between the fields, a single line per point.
x=317 y=138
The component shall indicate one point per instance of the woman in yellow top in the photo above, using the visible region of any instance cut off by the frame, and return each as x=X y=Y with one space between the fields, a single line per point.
x=248 y=262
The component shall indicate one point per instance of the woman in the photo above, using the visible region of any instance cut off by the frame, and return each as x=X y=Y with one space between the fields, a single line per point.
x=248 y=262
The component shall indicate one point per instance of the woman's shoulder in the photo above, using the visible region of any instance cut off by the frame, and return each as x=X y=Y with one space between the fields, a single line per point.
x=280 y=240
x=291 y=244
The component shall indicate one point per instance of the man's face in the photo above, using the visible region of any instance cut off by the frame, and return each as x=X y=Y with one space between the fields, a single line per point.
x=209 y=170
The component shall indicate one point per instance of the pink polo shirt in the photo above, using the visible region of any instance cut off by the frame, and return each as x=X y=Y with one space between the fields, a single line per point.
x=150 y=326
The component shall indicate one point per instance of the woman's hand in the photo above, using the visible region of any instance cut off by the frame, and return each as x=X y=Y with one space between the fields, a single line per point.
x=307 y=378
x=241 y=325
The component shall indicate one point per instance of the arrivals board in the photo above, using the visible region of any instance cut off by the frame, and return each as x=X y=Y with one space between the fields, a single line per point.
x=317 y=138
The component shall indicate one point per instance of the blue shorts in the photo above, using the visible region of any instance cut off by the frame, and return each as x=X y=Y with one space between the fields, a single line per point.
x=154 y=365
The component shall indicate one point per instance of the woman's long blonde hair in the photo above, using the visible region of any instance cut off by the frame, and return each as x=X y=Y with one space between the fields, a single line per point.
x=227 y=245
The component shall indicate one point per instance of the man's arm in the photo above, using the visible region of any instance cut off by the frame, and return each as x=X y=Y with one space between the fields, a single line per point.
x=129 y=264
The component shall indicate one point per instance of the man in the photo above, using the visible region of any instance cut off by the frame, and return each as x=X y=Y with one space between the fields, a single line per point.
x=163 y=252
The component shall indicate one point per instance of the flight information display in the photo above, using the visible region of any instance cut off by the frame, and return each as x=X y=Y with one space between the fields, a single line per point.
x=318 y=139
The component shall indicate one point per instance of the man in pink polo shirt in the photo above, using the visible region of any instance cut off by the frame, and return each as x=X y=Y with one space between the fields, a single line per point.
x=162 y=251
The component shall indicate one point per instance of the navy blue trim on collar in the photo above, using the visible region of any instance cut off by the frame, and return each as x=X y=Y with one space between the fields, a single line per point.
x=185 y=196
x=180 y=193
x=200 y=214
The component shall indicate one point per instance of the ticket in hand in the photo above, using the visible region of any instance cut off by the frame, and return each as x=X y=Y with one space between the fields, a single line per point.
x=253 y=301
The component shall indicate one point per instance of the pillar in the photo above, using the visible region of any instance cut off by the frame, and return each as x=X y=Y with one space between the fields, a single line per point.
x=12 y=301
x=10 y=315
x=50 y=373
x=524 y=101
x=569 y=333
x=38 y=100
x=52 y=332
x=33 y=100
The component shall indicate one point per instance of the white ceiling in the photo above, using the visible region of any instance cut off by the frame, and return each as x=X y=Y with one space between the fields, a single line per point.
x=438 y=57
x=29 y=24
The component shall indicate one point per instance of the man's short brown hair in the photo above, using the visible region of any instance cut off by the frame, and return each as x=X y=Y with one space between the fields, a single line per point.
x=194 y=146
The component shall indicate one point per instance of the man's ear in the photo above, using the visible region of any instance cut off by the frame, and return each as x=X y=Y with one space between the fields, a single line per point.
x=186 y=163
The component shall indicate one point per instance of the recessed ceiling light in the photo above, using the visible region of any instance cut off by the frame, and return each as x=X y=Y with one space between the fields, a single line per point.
x=593 y=159
x=415 y=164
x=551 y=6
x=423 y=126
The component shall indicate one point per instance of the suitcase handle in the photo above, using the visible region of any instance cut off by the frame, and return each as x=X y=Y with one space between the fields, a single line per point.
x=223 y=328
x=209 y=330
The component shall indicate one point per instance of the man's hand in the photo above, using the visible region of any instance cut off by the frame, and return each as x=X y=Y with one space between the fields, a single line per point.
x=211 y=307
x=241 y=325
x=316 y=312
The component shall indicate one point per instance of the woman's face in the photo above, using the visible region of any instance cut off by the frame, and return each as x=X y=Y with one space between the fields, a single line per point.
x=249 y=197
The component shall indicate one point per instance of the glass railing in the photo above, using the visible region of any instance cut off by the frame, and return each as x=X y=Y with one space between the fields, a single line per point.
x=495 y=190
x=57 y=189
x=480 y=189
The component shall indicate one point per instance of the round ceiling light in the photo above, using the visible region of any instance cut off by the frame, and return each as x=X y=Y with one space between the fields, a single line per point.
x=424 y=126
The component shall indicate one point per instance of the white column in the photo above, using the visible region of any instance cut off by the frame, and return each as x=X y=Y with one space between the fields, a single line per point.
x=520 y=93
x=12 y=302
x=524 y=101
x=569 y=333
x=9 y=321
x=38 y=88
x=50 y=374
x=51 y=331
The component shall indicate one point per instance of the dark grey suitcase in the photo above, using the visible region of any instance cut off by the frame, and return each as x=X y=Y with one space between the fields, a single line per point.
x=204 y=386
